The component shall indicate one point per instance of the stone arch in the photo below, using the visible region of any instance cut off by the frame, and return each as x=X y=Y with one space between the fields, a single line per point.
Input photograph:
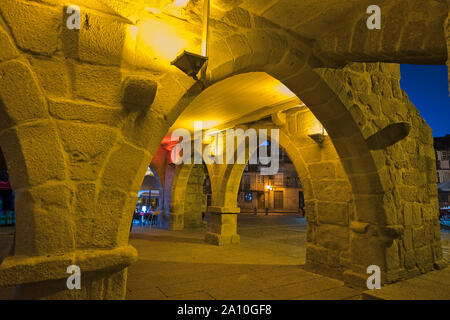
x=186 y=191
x=51 y=223
x=402 y=38
x=326 y=188
x=319 y=88
x=112 y=190
x=153 y=180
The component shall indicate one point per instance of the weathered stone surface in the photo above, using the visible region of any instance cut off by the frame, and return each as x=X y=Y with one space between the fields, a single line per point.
x=333 y=237
x=101 y=39
x=48 y=228
x=123 y=165
x=366 y=250
x=324 y=170
x=97 y=83
x=33 y=161
x=87 y=112
x=53 y=75
x=389 y=136
x=238 y=17
x=138 y=93
x=333 y=213
x=85 y=160
x=222 y=229
x=34 y=26
x=20 y=95
x=391 y=188
x=227 y=4
x=83 y=206
x=8 y=49
x=116 y=207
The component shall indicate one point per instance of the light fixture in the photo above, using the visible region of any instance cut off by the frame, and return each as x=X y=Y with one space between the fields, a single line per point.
x=319 y=138
x=190 y=63
x=180 y=3
x=269 y=187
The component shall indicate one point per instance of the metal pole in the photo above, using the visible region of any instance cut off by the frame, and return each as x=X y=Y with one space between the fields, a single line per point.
x=205 y=35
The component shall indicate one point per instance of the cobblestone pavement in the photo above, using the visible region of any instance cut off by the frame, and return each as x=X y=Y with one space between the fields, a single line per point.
x=266 y=264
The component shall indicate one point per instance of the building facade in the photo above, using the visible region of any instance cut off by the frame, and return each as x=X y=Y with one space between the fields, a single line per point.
x=277 y=193
x=442 y=146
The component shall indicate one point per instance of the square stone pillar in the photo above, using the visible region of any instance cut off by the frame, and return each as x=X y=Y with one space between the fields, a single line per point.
x=222 y=226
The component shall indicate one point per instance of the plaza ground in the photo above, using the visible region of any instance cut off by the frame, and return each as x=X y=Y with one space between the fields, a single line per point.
x=266 y=265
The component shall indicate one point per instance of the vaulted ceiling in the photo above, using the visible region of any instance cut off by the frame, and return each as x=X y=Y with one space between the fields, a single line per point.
x=239 y=99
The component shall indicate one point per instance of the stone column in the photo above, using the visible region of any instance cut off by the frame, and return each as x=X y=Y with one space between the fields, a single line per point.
x=222 y=226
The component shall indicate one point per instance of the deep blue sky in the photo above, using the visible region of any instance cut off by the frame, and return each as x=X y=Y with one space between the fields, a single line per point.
x=427 y=88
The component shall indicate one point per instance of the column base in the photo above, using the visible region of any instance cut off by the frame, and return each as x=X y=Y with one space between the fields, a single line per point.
x=176 y=222
x=94 y=286
x=222 y=240
x=103 y=274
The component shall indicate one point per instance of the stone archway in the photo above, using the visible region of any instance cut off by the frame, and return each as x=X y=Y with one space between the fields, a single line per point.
x=375 y=225
x=330 y=209
x=394 y=216
x=187 y=200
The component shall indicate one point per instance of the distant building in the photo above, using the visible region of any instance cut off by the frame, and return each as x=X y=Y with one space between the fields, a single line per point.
x=442 y=147
x=7 y=214
x=278 y=193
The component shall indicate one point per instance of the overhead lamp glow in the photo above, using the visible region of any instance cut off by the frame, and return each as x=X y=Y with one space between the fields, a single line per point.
x=153 y=10
x=180 y=3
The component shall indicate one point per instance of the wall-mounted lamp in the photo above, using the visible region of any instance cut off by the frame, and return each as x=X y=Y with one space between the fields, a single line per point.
x=269 y=187
x=190 y=63
x=319 y=137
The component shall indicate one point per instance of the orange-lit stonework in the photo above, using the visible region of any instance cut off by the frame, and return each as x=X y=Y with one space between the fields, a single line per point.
x=84 y=112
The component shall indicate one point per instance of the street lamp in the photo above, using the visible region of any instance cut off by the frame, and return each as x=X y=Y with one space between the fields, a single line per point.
x=191 y=63
x=319 y=137
x=269 y=188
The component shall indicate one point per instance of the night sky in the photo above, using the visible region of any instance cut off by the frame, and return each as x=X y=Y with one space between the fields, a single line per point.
x=427 y=88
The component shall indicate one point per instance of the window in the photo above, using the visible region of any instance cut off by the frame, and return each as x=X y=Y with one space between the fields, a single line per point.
x=278 y=180
x=259 y=179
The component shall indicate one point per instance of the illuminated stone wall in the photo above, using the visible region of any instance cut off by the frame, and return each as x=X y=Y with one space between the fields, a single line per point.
x=82 y=113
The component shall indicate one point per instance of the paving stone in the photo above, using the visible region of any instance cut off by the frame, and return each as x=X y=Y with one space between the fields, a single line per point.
x=152 y=293
x=192 y=296
x=303 y=288
x=414 y=289
x=339 y=293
